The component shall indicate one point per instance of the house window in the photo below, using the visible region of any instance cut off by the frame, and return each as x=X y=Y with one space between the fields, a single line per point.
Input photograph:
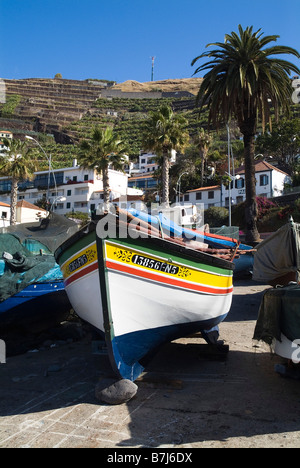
x=4 y=215
x=263 y=180
x=239 y=183
x=211 y=195
x=239 y=200
x=75 y=178
x=199 y=196
x=69 y=193
x=186 y=197
x=86 y=177
x=68 y=205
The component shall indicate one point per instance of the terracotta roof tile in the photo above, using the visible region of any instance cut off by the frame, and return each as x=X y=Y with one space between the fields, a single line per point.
x=202 y=189
x=260 y=166
x=26 y=204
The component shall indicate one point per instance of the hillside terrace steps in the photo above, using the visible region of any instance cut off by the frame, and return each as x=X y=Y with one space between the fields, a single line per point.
x=54 y=102
x=49 y=105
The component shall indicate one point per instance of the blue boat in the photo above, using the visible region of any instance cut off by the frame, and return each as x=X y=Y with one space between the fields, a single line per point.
x=244 y=260
x=32 y=293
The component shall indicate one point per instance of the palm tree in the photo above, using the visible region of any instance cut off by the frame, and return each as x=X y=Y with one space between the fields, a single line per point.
x=165 y=132
x=17 y=164
x=245 y=77
x=203 y=141
x=104 y=149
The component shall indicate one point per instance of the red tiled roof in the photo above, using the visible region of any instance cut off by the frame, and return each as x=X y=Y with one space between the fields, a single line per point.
x=26 y=204
x=202 y=189
x=260 y=166
x=4 y=204
x=129 y=198
x=144 y=176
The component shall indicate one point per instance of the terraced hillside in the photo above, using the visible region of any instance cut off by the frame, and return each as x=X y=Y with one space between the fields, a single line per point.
x=69 y=109
x=51 y=103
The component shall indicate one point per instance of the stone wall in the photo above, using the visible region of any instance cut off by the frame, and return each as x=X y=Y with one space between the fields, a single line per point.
x=117 y=93
x=53 y=103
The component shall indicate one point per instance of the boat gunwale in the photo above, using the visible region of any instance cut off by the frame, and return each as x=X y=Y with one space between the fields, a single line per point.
x=182 y=250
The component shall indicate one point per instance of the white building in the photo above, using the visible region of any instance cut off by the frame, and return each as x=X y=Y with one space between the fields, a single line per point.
x=25 y=213
x=147 y=163
x=4 y=134
x=29 y=213
x=130 y=201
x=69 y=189
x=269 y=183
x=209 y=196
x=5 y=214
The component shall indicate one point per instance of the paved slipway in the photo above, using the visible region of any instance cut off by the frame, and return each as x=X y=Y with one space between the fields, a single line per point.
x=186 y=398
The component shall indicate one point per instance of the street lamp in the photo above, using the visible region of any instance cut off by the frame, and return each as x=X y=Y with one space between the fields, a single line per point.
x=179 y=185
x=49 y=163
x=56 y=200
x=232 y=177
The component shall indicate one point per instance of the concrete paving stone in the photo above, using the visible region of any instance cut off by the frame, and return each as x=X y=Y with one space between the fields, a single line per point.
x=183 y=400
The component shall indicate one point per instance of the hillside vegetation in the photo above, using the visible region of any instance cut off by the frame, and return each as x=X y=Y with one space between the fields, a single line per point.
x=67 y=110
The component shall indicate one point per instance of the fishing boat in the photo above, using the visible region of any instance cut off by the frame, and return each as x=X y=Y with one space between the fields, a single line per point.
x=32 y=293
x=277 y=258
x=277 y=263
x=278 y=322
x=141 y=289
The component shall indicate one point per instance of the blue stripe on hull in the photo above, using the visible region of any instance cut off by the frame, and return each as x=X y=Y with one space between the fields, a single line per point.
x=132 y=351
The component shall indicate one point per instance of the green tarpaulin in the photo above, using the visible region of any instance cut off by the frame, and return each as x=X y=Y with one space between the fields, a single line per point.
x=27 y=253
x=279 y=313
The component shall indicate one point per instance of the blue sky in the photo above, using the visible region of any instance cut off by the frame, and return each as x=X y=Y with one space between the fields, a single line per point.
x=116 y=39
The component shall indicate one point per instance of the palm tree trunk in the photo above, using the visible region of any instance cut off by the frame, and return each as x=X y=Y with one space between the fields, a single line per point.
x=252 y=235
x=13 y=202
x=165 y=180
x=105 y=189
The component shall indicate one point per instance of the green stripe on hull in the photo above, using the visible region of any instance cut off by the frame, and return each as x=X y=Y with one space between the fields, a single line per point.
x=184 y=258
x=78 y=245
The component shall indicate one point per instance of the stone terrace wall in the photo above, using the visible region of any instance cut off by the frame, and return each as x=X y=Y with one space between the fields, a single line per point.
x=54 y=102
x=117 y=93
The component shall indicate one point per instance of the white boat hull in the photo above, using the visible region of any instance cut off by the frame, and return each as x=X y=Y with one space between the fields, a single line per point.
x=142 y=294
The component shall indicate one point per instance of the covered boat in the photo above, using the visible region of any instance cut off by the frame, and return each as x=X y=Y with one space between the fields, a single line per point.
x=277 y=263
x=278 y=322
x=32 y=293
x=142 y=289
x=277 y=258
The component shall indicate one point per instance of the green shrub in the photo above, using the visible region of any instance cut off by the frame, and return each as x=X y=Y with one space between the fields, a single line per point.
x=216 y=216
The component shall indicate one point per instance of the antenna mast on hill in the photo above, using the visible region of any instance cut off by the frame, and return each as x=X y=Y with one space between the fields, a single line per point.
x=152 y=69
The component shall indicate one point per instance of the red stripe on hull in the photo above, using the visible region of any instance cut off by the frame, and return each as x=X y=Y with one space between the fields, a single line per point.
x=81 y=273
x=166 y=280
